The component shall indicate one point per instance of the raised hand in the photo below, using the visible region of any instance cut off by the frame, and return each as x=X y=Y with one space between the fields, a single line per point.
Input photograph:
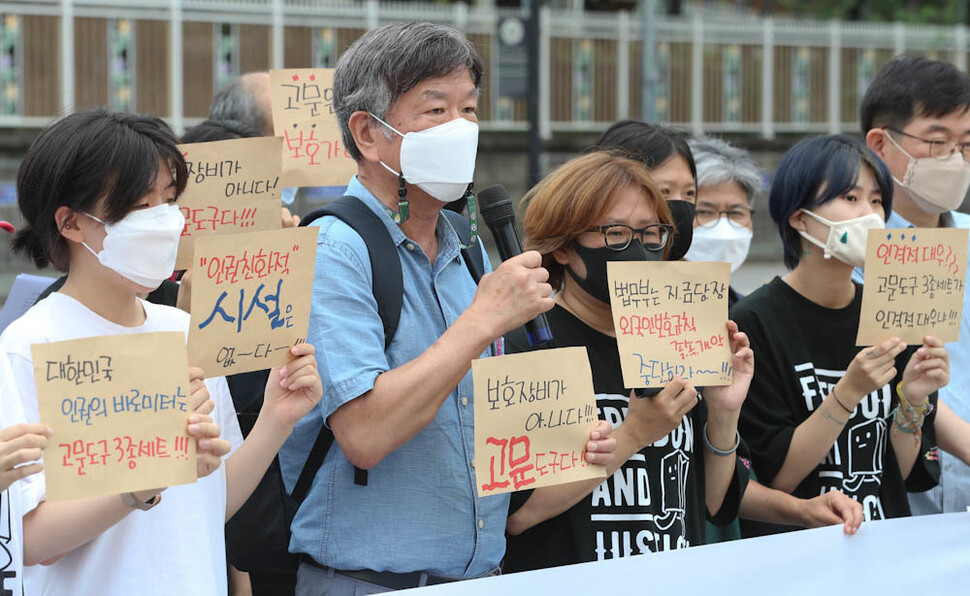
x=295 y=388
x=20 y=444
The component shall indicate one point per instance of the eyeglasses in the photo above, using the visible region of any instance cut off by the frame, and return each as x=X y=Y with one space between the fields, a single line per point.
x=739 y=217
x=939 y=148
x=618 y=236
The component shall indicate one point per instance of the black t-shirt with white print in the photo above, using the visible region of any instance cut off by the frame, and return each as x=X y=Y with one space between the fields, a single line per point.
x=653 y=503
x=801 y=351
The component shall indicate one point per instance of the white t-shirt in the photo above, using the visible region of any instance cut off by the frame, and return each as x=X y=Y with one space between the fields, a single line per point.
x=12 y=499
x=177 y=547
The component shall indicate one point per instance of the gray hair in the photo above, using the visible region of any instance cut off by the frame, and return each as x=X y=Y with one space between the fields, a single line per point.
x=718 y=161
x=235 y=101
x=388 y=62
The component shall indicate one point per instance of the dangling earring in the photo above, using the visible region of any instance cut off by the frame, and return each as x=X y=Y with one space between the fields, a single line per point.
x=403 y=209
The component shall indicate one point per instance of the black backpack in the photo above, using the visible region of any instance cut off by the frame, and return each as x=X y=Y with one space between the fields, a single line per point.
x=258 y=536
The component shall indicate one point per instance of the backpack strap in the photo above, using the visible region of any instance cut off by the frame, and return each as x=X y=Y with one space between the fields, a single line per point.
x=313 y=462
x=388 y=281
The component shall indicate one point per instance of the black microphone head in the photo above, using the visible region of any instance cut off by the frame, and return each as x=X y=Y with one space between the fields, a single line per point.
x=496 y=206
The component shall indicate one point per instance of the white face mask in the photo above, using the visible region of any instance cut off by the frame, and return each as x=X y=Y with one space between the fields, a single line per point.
x=847 y=239
x=142 y=247
x=935 y=185
x=724 y=242
x=440 y=160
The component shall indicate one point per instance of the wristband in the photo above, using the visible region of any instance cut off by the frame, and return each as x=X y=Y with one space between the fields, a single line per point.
x=721 y=452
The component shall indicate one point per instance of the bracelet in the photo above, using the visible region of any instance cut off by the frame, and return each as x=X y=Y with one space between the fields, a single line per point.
x=839 y=401
x=924 y=409
x=721 y=452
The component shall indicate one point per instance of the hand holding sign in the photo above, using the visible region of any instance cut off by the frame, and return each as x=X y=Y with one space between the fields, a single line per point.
x=20 y=444
x=118 y=406
x=670 y=321
x=533 y=414
x=915 y=282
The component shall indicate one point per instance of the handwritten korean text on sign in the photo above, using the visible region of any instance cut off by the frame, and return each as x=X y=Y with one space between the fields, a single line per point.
x=670 y=319
x=533 y=416
x=250 y=299
x=915 y=280
x=233 y=186
x=303 y=114
x=119 y=407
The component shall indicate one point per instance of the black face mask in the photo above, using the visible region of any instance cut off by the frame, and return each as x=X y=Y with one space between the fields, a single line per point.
x=683 y=214
x=596 y=283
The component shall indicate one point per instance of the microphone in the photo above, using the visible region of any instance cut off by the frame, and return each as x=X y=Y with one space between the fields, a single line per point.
x=496 y=209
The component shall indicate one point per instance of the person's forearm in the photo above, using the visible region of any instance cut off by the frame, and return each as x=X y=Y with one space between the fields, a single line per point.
x=406 y=399
x=763 y=504
x=952 y=432
x=548 y=502
x=810 y=442
x=246 y=467
x=722 y=432
x=54 y=529
x=906 y=445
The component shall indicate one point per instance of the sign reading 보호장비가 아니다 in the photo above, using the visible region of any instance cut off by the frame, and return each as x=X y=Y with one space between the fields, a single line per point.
x=915 y=282
x=250 y=299
x=119 y=408
x=303 y=114
x=533 y=416
x=671 y=320
x=233 y=186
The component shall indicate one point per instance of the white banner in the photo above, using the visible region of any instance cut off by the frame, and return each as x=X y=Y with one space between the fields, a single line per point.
x=913 y=555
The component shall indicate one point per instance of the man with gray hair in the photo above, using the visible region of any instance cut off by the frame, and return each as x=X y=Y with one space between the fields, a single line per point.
x=727 y=182
x=405 y=96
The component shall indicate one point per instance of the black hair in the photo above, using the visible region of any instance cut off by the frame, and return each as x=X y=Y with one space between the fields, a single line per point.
x=648 y=143
x=910 y=86
x=85 y=158
x=218 y=130
x=815 y=171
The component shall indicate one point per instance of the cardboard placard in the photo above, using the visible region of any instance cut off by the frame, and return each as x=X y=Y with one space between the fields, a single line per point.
x=533 y=416
x=233 y=186
x=303 y=115
x=250 y=299
x=670 y=319
x=915 y=281
x=119 y=407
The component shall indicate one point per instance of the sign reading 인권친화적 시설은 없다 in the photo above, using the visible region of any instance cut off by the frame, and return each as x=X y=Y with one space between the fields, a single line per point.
x=303 y=114
x=671 y=319
x=233 y=186
x=533 y=416
x=915 y=282
x=251 y=297
x=119 y=408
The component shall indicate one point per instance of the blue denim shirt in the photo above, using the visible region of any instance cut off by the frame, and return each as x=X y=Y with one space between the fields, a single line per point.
x=420 y=510
x=952 y=494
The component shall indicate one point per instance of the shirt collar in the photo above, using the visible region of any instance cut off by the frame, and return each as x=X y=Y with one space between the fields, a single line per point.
x=448 y=242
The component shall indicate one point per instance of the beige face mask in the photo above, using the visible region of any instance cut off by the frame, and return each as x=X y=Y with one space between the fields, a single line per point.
x=935 y=185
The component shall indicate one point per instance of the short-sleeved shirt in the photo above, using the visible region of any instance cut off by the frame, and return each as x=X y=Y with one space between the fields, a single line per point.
x=801 y=351
x=177 y=546
x=419 y=510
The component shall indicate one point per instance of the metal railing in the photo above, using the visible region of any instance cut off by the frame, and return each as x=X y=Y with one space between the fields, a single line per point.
x=721 y=73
